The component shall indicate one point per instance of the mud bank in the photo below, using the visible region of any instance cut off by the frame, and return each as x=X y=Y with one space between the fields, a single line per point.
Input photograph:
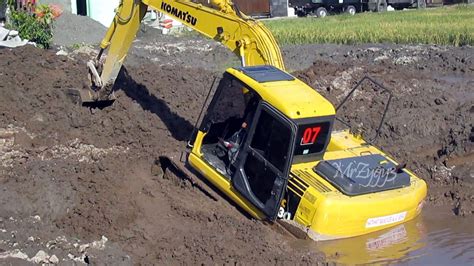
x=85 y=174
x=430 y=122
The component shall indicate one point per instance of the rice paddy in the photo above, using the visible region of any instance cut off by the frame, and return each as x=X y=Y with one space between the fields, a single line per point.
x=443 y=26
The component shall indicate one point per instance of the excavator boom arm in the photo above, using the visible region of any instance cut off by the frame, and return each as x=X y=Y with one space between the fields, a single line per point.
x=249 y=39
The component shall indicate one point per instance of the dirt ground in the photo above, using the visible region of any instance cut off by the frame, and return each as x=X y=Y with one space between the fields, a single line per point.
x=82 y=184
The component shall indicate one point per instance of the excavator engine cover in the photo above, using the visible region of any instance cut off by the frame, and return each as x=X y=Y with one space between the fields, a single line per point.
x=363 y=174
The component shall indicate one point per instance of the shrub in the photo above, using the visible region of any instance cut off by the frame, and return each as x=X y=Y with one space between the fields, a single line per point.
x=35 y=26
x=31 y=29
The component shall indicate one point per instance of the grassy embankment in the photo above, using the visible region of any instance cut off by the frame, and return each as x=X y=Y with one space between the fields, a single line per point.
x=443 y=26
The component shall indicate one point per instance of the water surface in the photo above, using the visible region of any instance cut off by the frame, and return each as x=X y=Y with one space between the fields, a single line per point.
x=436 y=237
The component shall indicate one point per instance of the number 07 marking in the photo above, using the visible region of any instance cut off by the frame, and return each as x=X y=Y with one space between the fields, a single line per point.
x=310 y=135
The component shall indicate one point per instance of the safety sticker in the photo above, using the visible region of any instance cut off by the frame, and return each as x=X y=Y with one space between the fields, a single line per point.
x=384 y=220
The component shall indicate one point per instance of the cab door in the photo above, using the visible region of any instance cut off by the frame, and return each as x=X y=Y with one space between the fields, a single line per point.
x=264 y=162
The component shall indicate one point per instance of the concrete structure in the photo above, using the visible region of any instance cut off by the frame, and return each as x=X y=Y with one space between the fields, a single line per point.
x=279 y=8
x=3 y=7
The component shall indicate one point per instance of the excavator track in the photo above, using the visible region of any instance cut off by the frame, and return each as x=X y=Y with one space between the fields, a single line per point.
x=176 y=164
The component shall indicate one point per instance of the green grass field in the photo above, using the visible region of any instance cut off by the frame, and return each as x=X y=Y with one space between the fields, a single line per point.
x=443 y=26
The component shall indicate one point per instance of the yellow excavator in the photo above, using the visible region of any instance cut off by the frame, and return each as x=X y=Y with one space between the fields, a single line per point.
x=266 y=139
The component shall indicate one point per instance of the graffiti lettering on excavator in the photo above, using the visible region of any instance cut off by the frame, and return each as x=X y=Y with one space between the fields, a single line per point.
x=184 y=16
x=374 y=177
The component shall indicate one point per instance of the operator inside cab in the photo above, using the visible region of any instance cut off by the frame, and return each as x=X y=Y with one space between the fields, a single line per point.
x=229 y=117
x=228 y=149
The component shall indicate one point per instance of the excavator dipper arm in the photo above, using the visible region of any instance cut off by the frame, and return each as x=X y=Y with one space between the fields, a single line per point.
x=249 y=39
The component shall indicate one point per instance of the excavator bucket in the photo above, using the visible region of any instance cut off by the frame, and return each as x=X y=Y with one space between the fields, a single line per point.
x=103 y=70
x=96 y=94
x=92 y=98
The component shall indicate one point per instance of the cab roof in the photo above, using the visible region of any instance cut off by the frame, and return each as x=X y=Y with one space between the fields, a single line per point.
x=286 y=93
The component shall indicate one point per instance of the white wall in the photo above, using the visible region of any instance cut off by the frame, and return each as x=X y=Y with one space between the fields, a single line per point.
x=74 y=6
x=102 y=11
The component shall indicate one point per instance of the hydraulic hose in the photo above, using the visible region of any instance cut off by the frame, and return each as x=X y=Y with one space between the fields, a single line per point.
x=122 y=20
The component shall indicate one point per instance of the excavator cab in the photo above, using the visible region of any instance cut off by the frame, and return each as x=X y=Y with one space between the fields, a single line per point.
x=250 y=144
x=267 y=142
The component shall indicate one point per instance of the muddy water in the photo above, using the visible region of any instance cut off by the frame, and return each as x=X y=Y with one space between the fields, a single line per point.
x=434 y=238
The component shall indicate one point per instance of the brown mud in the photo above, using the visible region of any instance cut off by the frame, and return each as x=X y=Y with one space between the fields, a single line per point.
x=87 y=173
x=82 y=184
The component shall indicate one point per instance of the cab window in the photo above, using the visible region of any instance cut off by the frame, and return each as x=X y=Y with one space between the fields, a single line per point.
x=271 y=140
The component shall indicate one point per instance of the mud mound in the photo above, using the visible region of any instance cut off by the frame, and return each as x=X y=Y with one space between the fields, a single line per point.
x=70 y=29
x=86 y=173
x=437 y=59
x=186 y=51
